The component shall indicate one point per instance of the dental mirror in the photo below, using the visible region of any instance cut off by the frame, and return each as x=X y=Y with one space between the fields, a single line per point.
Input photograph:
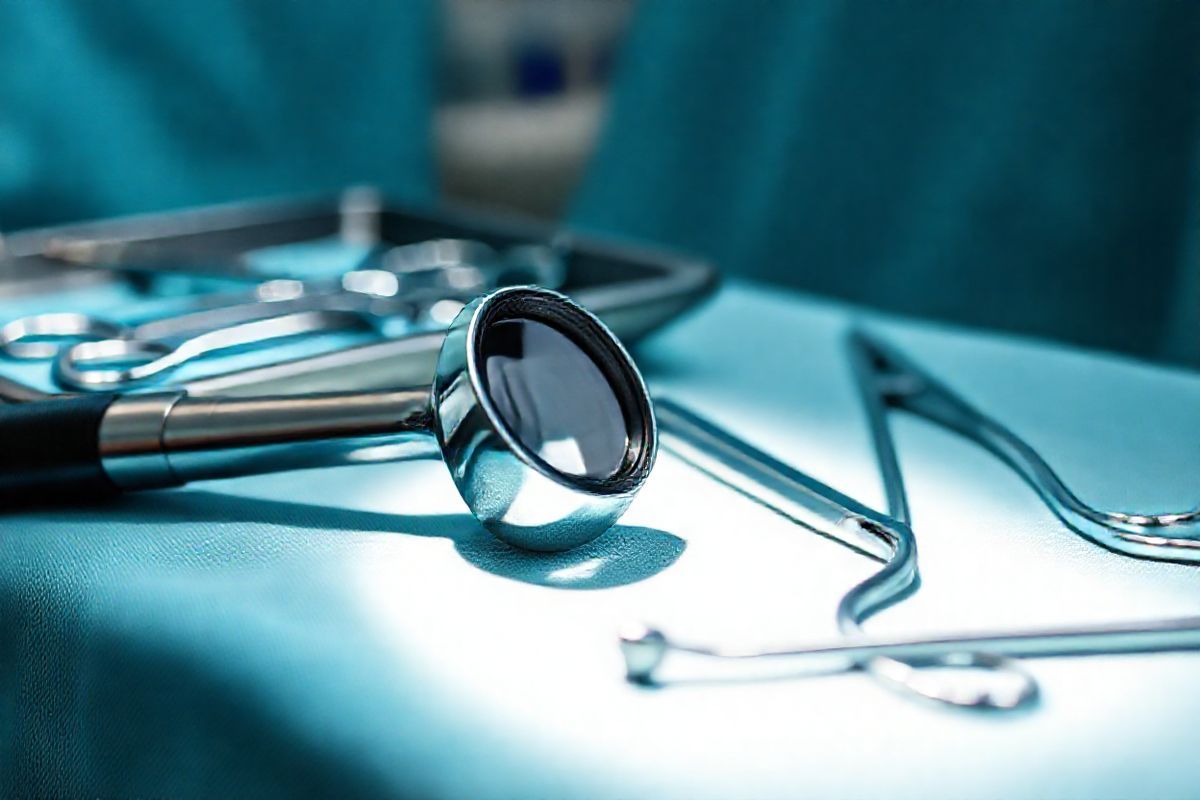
x=538 y=411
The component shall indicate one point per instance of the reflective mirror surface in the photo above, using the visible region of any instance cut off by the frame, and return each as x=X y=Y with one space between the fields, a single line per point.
x=543 y=420
x=554 y=399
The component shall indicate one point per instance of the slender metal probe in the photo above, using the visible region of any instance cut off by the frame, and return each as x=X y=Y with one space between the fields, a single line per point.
x=645 y=648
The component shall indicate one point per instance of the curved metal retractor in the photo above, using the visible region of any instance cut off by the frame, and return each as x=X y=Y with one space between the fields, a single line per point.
x=894 y=381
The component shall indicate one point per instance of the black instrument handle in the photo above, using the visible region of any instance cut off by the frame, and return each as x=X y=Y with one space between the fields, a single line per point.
x=50 y=449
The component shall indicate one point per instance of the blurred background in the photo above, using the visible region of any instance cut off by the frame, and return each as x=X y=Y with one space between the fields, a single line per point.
x=523 y=89
x=1030 y=168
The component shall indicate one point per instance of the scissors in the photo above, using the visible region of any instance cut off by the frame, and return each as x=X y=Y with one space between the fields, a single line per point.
x=888 y=380
x=415 y=286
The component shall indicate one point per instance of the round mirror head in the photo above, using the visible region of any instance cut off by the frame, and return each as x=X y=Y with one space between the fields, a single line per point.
x=542 y=417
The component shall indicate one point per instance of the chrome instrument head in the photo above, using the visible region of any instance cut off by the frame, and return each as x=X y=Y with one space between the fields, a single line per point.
x=542 y=417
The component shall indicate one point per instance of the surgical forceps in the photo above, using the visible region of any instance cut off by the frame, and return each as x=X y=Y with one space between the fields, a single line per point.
x=888 y=380
x=428 y=265
x=40 y=337
x=412 y=283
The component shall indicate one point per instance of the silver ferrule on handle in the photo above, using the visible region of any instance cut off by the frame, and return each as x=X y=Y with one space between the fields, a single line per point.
x=157 y=440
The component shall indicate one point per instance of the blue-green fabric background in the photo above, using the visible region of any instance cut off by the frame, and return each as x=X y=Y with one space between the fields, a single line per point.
x=353 y=633
x=118 y=107
x=1029 y=166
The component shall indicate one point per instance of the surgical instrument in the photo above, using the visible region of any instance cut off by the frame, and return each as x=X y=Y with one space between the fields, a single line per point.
x=421 y=270
x=644 y=648
x=43 y=336
x=635 y=289
x=393 y=301
x=896 y=382
x=888 y=380
x=119 y=364
x=824 y=510
x=537 y=409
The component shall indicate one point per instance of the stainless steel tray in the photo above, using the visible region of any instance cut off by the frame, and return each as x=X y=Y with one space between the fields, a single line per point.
x=634 y=289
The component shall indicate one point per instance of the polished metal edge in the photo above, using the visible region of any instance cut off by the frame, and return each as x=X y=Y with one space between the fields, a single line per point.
x=131 y=446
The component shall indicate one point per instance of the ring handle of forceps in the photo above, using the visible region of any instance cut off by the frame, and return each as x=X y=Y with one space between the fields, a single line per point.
x=49 y=332
x=1012 y=686
x=81 y=365
x=53 y=332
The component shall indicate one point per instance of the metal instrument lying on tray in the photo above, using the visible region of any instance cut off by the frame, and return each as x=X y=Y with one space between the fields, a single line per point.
x=386 y=282
x=394 y=297
x=249 y=244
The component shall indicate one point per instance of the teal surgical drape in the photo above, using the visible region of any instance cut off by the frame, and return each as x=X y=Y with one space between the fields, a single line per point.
x=117 y=107
x=1027 y=166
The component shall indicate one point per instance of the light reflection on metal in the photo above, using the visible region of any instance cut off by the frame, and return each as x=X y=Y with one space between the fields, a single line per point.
x=419 y=285
x=899 y=383
x=888 y=380
x=167 y=439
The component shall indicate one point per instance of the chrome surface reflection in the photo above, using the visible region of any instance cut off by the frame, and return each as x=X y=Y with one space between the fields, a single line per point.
x=158 y=440
x=512 y=490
